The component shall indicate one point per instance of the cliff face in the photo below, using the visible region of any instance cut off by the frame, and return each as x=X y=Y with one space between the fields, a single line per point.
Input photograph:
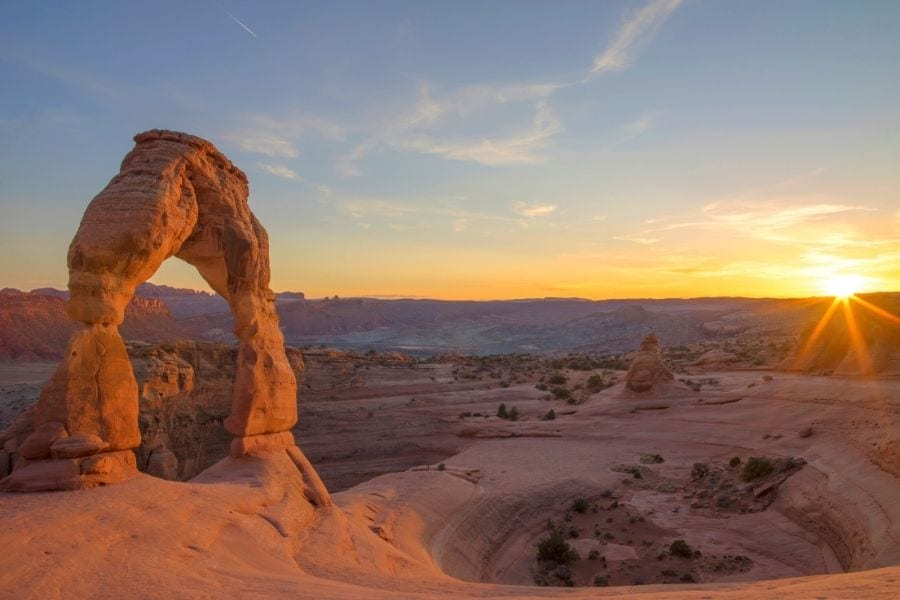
x=184 y=391
x=34 y=325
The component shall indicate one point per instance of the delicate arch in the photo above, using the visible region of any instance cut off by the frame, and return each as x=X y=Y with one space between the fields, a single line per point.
x=175 y=195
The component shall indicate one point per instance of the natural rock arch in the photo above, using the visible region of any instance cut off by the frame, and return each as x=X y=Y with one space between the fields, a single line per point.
x=175 y=195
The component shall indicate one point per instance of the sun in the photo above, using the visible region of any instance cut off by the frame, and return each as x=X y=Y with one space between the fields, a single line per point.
x=842 y=286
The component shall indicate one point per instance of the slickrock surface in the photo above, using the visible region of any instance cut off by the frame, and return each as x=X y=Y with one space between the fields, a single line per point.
x=248 y=526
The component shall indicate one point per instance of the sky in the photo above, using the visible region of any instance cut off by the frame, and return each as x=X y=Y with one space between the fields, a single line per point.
x=480 y=150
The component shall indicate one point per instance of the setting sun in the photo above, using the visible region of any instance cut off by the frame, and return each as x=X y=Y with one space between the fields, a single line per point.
x=842 y=286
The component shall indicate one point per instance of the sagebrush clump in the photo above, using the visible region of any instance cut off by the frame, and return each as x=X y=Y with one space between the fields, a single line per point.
x=555 y=548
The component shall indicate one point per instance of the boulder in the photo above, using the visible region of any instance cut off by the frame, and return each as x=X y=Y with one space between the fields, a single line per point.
x=647 y=369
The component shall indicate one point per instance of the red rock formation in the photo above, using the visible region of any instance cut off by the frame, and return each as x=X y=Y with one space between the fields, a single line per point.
x=34 y=325
x=647 y=369
x=175 y=195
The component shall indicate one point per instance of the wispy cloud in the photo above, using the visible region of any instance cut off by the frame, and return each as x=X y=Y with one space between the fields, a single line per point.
x=261 y=134
x=773 y=215
x=260 y=142
x=638 y=239
x=533 y=210
x=635 y=32
x=423 y=126
x=519 y=149
x=642 y=124
x=806 y=223
x=279 y=171
x=414 y=215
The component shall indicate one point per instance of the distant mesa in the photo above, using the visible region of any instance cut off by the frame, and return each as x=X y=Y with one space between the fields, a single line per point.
x=175 y=195
x=647 y=370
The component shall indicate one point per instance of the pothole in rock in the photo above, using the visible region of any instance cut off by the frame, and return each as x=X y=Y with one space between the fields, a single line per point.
x=604 y=540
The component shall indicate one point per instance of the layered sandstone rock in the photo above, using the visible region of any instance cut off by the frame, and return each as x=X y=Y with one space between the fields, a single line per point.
x=647 y=369
x=175 y=195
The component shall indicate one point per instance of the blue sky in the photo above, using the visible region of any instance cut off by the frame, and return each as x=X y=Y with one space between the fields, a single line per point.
x=480 y=149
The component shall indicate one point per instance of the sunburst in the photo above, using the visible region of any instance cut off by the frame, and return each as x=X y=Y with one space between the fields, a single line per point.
x=842 y=285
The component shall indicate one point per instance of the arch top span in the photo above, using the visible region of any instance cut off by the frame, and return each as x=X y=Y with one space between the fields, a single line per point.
x=175 y=195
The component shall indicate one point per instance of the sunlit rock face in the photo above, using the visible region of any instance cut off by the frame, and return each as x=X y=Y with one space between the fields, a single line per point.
x=647 y=369
x=175 y=195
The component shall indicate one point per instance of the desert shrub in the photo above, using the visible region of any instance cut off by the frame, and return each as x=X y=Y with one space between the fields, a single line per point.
x=555 y=548
x=734 y=461
x=601 y=581
x=504 y=384
x=542 y=386
x=756 y=467
x=551 y=414
x=595 y=382
x=634 y=470
x=441 y=467
x=561 y=393
x=681 y=548
x=557 y=379
x=649 y=459
x=687 y=578
x=699 y=471
x=581 y=505
x=513 y=414
x=501 y=411
x=594 y=554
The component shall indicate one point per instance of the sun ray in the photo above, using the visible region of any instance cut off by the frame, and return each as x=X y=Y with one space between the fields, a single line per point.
x=817 y=332
x=894 y=319
x=857 y=342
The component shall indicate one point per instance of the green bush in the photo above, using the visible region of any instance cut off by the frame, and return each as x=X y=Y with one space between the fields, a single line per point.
x=756 y=467
x=681 y=548
x=555 y=548
x=595 y=382
x=650 y=459
x=561 y=393
x=501 y=411
x=556 y=379
x=581 y=505
x=699 y=471
x=513 y=414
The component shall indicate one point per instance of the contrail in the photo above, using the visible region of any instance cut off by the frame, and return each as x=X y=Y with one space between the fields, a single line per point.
x=238 y=21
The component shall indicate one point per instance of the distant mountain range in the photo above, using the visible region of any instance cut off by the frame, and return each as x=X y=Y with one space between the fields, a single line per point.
x=34 y=325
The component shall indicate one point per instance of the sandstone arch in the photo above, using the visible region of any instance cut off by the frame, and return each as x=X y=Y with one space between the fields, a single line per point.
x=175 y=195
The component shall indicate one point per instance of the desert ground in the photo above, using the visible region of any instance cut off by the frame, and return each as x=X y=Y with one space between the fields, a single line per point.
x=435 y=495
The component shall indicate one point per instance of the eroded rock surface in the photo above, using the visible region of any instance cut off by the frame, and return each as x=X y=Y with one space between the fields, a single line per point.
x=175 y=195
x=647 y=369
